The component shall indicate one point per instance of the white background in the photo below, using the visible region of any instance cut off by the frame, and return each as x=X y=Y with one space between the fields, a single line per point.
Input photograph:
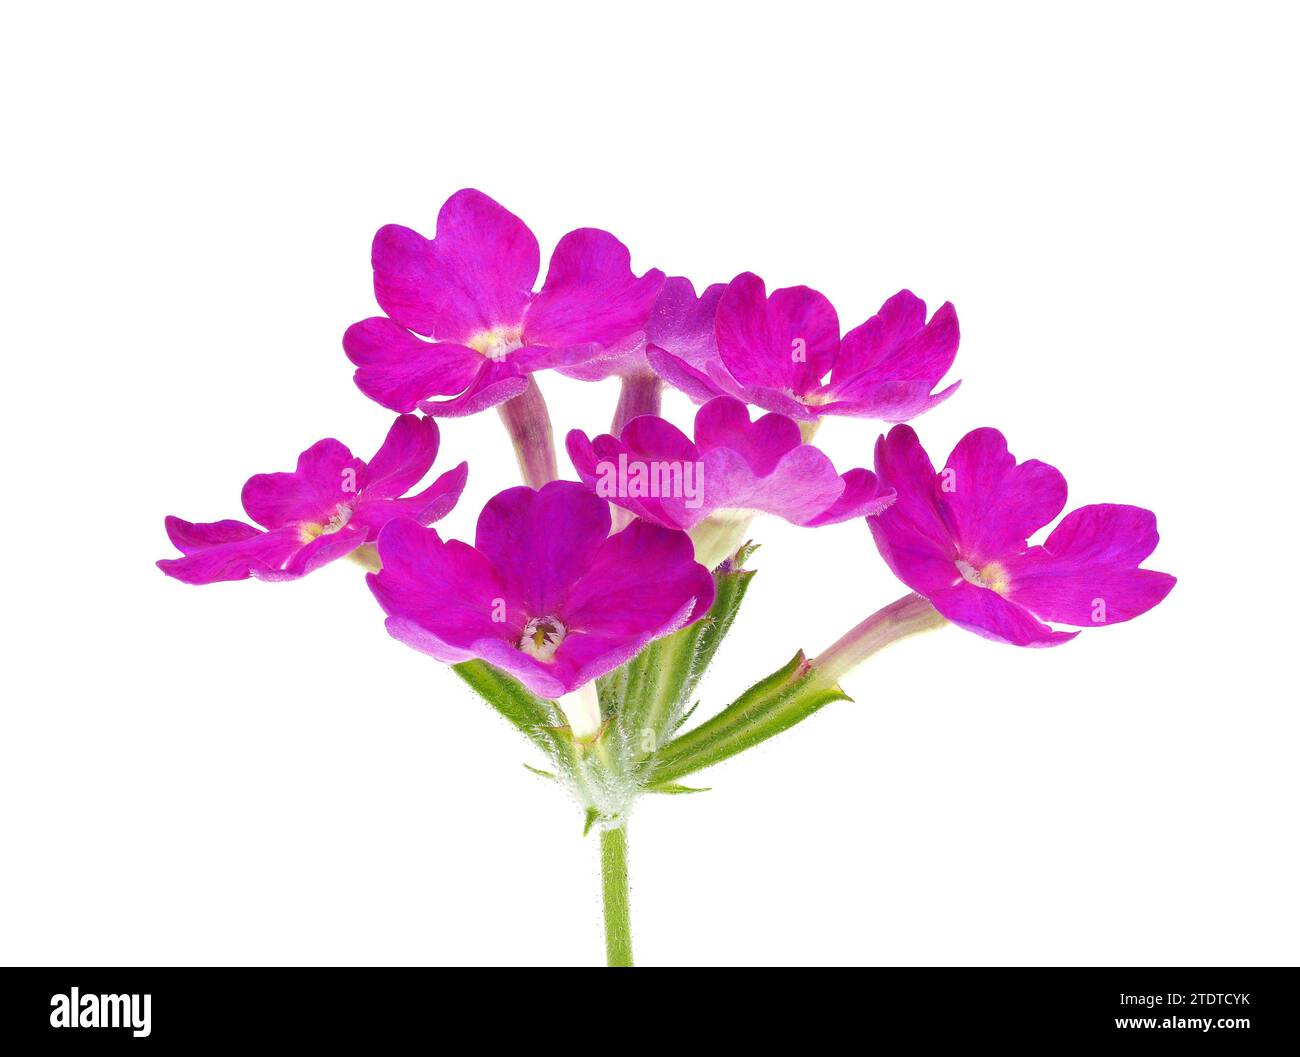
x=256 y=773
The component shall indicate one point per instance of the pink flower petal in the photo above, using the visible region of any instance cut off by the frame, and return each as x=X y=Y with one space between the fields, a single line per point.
x=735 y=464
x=262 y=555
x=495 y=383
x=540 y=542
x=775 y=400
x=1105 y=534
x=324 y=549
x=888 y=367
x=786 y=342
x=188 y=537
x=724 y=423
x=398 y=370
x=903 y=464
x=802 y=485
x=682 y=324
x=541 y=357
x=679 y=324
x=912 y=535
x=425 y=508
x=586 y=655
x=641 y=583
x=991 y=504
x=670 y=468
x=549 y=680
x=441 y=597
x=403 y=459
x=438 y=500
x=991 y=616
x=590 y=297
x=598 y=465
x=623 y=359
x=404 y=268
x=475 y=275
x=681 y=375
x=1087 y=572
x=543 y=553
x=863 y=496
x=327 y=477
x=884 y=401
x=583 y=455
x=896 y=344
x=652 y=437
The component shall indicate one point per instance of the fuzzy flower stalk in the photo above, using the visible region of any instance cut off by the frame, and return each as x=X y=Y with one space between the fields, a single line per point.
x=587 y=613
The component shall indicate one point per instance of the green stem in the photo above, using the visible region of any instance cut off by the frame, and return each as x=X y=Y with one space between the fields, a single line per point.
x=532 y=716
x=618 y=918
x=786 y=697
x=791 y=694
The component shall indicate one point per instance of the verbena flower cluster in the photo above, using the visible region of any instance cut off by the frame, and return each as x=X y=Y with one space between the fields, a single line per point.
x=585 y=610
x=462 y=322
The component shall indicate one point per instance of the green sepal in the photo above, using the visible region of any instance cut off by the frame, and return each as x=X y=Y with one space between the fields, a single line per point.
x=732 y=581
x=676 y=788
x=685 y=718
x=789 y=695
x=611 y=689
x=540 y=773
x=648 y=695
x=654 y=679
x=535 y=718
x=590 y=820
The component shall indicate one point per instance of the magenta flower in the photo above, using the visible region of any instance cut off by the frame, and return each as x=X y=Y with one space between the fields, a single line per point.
x=775 y=352
x=463 y=320
x=545 y=593
x=959 y=538
x=327 y=508
x=655 y=471
x=680 y=324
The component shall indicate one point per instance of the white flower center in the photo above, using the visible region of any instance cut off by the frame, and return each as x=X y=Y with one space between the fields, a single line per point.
x=992 y=577
x=541 y=638
x=497 y=343
x=340 y=518
x=311 y=530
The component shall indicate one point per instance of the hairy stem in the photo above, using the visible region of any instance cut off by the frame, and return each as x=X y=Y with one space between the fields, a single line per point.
x=909 y=615
x=791 y=694
x=529 y=425
x=639 y=395
x=618 y=918
x=808 y=429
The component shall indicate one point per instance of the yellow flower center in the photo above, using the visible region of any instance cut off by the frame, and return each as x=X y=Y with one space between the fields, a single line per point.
x=497 y=343
x=992 y=577
x=311 y=530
